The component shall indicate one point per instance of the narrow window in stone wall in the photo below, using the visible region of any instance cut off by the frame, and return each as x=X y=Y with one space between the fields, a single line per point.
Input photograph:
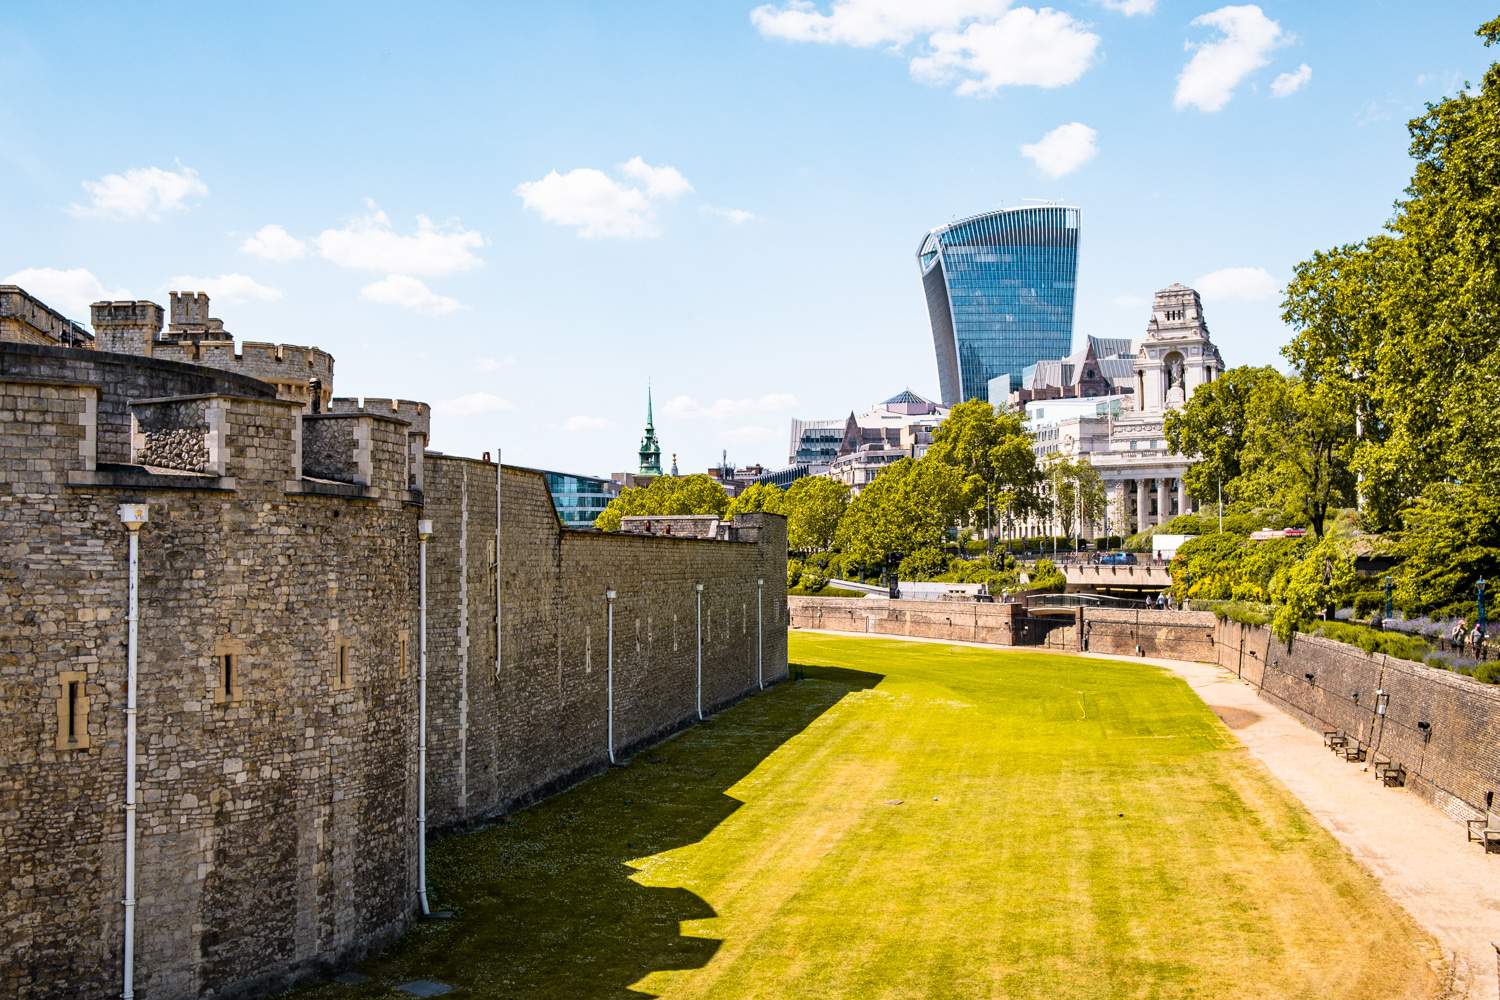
x=72 y=710
x=403 y=643
x=228 y=670
x=343 y=666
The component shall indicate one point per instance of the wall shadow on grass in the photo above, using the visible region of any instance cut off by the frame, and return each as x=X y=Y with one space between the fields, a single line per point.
x=546 y=907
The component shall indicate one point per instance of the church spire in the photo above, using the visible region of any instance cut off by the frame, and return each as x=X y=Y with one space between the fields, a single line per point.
x=650 y=453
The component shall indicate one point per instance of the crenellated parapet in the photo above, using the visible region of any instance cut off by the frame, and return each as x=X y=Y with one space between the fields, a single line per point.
x=291 y=368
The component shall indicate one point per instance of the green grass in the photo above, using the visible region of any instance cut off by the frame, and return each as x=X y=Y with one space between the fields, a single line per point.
x=919 y=821
x=828 y=591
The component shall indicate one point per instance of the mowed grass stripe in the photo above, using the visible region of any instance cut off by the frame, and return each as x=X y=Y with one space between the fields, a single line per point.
x=919 y=820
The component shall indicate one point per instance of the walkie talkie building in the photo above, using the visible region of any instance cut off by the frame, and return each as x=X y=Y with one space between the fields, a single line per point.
x=1000 y=290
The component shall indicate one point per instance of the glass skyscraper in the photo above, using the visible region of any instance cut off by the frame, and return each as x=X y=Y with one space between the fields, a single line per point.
x=1000 y=290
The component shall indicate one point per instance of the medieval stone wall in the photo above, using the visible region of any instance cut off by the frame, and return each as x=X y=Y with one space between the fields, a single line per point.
x=279 y=656
x=120 y=378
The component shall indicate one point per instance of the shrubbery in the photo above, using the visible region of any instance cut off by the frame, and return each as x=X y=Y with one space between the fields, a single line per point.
x=1371 y=640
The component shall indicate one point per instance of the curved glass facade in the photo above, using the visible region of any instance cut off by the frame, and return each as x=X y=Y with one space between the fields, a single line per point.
x=1000 y=289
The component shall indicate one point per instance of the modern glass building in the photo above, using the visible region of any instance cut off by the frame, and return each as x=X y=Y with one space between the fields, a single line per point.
x=579 y=499
x=1000 y=289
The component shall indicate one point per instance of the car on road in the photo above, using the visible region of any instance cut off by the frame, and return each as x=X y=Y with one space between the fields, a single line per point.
x=1117 y=559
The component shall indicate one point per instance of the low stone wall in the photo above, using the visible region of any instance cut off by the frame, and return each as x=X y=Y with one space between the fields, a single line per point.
x=1001 y=624
x=1453 y=761
x=1183 y=635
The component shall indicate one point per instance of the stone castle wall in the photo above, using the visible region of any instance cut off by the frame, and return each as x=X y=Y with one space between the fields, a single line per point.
x=277 y=813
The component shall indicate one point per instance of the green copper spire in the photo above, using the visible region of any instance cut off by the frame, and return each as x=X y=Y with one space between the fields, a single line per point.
x=650 y=449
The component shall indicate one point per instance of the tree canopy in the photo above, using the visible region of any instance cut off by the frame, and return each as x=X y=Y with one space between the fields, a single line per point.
x=813 y=506
x=695 y=494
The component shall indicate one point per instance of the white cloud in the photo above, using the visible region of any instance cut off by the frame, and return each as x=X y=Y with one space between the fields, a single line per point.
x=409 y=293
x=737 y=216
x=226 y=288
x=369 y=243
x=70 y=291
x=473 y=404
x=1208 y=80
x=1130 y=8
x=688 y=408
x=1022 y=47
x=1241 y=284
x=599 y=206
x=140 y=193
x=1063 y=150
x=864 y=23
x=274 y=243
x=660 y=182
x=1288 y=84
x=493 y=364
x=584 y=425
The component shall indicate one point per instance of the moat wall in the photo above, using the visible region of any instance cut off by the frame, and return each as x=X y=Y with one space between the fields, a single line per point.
x=277 y=804
x=1453 y=762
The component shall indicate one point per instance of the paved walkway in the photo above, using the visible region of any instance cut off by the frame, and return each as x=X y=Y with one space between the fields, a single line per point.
x=1451 y=887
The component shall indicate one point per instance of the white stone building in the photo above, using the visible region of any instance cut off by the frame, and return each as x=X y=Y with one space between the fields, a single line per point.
x=1122 y=434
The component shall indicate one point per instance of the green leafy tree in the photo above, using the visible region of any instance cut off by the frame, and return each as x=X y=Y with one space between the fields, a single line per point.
x=1075 y=490
x=1214 y=427
x=1404 y=326
x=924 y=564
x=993 y=453
x=813 y=506
x=1297 y=448
x=757 y=498
x=1317 y=583
x=910 y=505
x=1452 y=538
x=695 y=494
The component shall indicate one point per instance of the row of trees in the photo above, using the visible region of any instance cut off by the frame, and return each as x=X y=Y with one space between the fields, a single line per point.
x=980 y=472
x=1391 y=404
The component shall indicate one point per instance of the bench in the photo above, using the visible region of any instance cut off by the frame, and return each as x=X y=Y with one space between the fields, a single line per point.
x=1486 y=831
x=1389 y=773
x=1352 y=751
x=1334 y=739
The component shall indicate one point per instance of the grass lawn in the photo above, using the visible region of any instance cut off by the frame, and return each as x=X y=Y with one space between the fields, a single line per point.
x=920 y=821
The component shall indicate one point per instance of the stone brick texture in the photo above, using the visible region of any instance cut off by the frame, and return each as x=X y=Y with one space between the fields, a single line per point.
x=277 y=829
x=1455 y=765
x=121 y=378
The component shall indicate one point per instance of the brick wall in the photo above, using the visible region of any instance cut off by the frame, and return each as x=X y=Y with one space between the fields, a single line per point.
x=1455 y=767
x=1183 y=635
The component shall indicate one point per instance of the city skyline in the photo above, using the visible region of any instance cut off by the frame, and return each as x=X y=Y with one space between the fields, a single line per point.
x=772 y=203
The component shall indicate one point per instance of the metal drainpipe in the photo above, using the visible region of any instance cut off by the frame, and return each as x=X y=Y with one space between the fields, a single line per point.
x=499 y=491
x=609 y=598
x=698 y=594
x=132 y=515
x=760 y=677
x=424 y=532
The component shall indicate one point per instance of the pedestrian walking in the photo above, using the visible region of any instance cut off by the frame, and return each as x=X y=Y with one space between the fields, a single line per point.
x=1457 y=636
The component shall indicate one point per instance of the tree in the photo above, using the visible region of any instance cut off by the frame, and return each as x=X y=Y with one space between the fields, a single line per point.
x=1214 y=428
x=813 y=506
x=910 y=505
x=1297 y=448
x=1404 y=325
x=1451 y=539
x=1077 y=491
x=1319 y=582
x=665 y=495
x=993 y=453
x=757 y=498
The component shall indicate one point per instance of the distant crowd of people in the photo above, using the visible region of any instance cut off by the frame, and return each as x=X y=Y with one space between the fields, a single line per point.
x=1468 y=639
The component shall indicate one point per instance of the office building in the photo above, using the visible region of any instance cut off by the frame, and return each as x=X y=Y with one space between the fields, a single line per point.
x=1000 y=294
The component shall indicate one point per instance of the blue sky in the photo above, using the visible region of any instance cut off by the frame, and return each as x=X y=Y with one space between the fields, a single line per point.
x=724 y=198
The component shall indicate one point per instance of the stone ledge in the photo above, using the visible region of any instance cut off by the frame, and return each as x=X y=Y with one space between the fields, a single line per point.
x=110 y=476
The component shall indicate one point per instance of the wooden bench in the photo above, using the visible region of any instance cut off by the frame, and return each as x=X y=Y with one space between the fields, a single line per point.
x=1334 y=739
x=1486 y=831
x=1389 y=773
x=1352 y=751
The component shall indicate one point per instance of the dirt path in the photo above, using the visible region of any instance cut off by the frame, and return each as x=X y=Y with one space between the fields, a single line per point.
x=1420 y=856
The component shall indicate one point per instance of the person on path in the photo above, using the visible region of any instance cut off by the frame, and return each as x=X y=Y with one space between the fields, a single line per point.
x=1457 y=636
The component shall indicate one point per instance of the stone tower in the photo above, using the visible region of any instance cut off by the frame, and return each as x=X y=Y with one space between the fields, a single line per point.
x=1176 y=356
x=650 y=448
